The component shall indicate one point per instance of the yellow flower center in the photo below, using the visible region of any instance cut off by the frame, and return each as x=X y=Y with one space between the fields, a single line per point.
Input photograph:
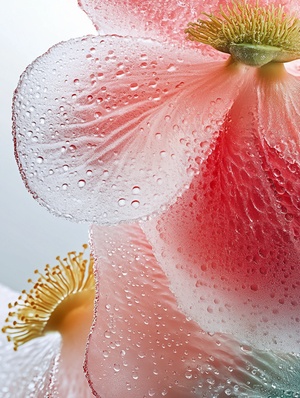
x=65 y=291
x=254 y=35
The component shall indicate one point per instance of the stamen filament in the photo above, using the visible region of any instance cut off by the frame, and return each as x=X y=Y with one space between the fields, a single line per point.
x=60 y=289
x=240 y=26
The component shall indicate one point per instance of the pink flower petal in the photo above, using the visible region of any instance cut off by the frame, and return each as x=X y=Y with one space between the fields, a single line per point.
x=162 y=20
x=29 y=371
x=279 y=119
x=293 y=67
x=230 y=245
x=110 y=129
x=143 y=346
x=70 y=380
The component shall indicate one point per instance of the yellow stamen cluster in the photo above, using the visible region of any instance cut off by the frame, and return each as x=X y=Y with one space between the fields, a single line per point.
x=37 y=311
x=243 y=23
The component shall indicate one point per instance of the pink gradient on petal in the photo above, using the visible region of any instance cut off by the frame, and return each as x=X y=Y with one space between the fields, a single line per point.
x=163 y=20
x=279 y=118
x=70 y=380
x=143 y=345
x=233 y=237
x=293 y=67
x=109 y=129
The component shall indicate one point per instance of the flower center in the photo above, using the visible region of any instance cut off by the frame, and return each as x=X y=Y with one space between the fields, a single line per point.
x=63 y=290
x=254 y=35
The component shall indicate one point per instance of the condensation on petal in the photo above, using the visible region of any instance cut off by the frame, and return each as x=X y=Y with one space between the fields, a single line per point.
x=279 y=119
x=110 y=129
x=142 y=345
x=230 y=244
x=162 y=20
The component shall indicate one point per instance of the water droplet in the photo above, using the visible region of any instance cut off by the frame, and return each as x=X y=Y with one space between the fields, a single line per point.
x=105 y=354
x=135 y=204
x=121 y=202
x=64 y=187
x=136 y=190
x=81 y=183
x=65 y=167
x=39 y=160
x=120 y=73
x=289 y=217
x=117 y=367
x=188 y=375
x=134 y=86
x=171 y=68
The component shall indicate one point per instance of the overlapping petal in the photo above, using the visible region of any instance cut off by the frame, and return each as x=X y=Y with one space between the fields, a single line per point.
x=70 y=380
x=278 y=119
x=143 y=345
x=110 y=129
x=163 y=20
x=230 y=245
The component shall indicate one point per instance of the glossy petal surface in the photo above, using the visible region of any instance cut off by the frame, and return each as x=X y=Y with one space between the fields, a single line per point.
x=230 y=245
x=70 y=380
x=163 y=20
x=143 y=346
x=29 y=371
x=110 y=129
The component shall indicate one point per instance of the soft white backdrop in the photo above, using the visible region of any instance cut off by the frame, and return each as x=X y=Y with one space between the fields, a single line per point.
x=30 y=236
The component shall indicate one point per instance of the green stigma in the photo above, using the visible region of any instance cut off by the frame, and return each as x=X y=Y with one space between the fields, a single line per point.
x=254 y=35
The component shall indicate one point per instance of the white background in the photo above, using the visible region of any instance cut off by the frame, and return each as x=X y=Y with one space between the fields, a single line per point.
x=30 y=236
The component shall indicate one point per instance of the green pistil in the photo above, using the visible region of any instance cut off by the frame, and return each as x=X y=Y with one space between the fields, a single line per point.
x=253 y=35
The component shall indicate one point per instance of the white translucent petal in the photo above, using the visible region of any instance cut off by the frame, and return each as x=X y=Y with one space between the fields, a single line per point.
x=109 y=129
x=142 y=344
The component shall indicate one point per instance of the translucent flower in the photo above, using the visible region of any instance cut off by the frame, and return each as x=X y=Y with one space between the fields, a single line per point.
x=111 y=128
x=115 y=128
x=144 y=345
x=140 y=345
x=234 y=234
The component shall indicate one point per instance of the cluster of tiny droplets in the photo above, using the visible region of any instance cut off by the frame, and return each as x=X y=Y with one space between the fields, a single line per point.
x=242 y=23
x=29 y=315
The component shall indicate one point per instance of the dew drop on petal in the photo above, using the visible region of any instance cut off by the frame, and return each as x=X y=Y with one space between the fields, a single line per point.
x=121 y=202
x=135 y=204
x=153 y=348
x=81 y=183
